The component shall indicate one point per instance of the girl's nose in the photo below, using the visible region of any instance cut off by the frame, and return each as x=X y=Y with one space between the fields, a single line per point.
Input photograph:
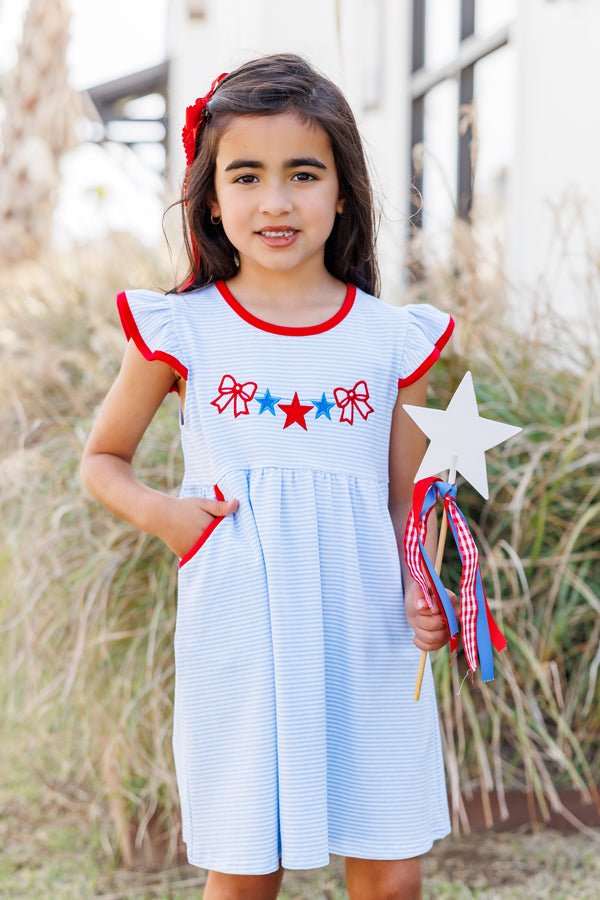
x=275 y=200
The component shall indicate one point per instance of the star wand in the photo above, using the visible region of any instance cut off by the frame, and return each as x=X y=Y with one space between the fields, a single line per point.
x=459 y=437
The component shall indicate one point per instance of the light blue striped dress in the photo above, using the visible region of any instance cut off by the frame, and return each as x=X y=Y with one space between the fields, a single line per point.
x=296 y=734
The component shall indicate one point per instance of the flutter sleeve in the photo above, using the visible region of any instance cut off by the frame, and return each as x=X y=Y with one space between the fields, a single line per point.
x=427 y=332
x=147 y=320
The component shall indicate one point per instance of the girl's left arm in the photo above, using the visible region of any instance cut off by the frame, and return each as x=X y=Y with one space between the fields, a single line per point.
x=407 y=448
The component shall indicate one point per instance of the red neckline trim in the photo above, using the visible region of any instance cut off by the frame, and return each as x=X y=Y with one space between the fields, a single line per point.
x=288 y=329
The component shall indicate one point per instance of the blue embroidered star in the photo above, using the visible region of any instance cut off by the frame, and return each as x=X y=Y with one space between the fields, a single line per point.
x=267 y=402
x=323 y=406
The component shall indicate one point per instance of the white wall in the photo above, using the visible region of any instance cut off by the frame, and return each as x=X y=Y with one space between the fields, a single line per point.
x=233 y=31
x=554 y=213
x=386 y=130
x=364 y=50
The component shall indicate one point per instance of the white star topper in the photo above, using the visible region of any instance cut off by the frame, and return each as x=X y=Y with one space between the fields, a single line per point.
x=459 y=437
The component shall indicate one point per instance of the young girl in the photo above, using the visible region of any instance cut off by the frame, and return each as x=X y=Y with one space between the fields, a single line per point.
x=296 y=734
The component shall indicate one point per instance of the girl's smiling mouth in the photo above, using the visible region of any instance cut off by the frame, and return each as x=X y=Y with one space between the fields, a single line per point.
x=277 y=237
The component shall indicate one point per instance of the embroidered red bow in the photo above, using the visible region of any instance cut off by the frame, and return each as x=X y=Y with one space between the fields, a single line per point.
x=193 y=119
x=241 y=394
x=355 y=398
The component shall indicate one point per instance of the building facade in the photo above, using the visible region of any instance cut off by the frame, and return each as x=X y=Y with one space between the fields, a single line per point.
x=481 y=109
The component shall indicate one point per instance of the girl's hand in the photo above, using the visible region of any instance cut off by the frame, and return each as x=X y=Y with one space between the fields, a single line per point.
x=428 y=625
x=185 y=519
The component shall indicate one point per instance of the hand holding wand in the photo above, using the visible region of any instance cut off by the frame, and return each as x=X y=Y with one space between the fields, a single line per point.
x=439 y=556
x=459 y=437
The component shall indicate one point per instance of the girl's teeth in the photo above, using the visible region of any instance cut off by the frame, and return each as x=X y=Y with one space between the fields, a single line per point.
x=277 y=233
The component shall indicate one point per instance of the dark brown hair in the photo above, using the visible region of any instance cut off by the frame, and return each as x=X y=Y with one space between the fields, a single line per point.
x=267 y=86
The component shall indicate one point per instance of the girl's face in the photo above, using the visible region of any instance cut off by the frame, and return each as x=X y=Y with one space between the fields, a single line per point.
x=277 y=192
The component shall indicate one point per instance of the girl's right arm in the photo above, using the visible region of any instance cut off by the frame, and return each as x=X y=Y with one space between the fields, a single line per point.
x=106 y=467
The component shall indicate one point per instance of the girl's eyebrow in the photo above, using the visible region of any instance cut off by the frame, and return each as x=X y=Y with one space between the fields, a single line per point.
x=294 y=163
x=302 y=161
x=243 y=164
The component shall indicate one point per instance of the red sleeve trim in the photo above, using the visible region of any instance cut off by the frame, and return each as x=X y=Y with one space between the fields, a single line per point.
x=431 y=359
x=132 y=333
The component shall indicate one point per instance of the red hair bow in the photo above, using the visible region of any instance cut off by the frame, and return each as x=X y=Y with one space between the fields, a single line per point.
x=193 y=118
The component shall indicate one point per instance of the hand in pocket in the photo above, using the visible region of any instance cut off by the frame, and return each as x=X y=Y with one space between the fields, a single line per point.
x=187 y=518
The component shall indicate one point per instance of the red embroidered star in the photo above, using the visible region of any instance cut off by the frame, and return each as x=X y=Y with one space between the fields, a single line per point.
x=295 y=412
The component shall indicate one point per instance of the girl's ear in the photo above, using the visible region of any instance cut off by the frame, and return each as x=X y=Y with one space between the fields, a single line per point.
x=340 y=205
x=213 y=205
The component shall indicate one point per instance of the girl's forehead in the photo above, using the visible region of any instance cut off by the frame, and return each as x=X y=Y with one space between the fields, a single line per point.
x=286 y=133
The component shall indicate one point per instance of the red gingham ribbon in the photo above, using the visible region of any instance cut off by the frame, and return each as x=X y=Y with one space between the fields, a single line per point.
x=416 y=558
x=479 y=630
x=468 y=596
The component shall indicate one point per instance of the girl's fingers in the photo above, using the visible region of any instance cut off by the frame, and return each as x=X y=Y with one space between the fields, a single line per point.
x=218 y=508
x=429 y=625
x=187 y=518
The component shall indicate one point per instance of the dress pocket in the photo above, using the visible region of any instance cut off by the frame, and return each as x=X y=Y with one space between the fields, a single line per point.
x=205 y=534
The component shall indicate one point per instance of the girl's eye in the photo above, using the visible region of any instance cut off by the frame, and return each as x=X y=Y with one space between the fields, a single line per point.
x=303 y=176
x=246 y=179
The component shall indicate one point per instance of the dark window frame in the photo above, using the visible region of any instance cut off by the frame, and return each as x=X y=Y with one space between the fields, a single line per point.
x=471 y=49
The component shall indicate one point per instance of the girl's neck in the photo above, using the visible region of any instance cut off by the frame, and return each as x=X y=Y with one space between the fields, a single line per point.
x=289 y=301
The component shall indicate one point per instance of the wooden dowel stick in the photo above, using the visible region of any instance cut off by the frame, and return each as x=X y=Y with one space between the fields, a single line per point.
x=441 y=544
x=420 y=674
x=438 y=568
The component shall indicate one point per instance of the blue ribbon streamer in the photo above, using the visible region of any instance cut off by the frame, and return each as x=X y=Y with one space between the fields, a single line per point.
x=484 y=641
x=442 y=593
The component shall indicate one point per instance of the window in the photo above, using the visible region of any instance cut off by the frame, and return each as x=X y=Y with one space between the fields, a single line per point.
x=462 y=98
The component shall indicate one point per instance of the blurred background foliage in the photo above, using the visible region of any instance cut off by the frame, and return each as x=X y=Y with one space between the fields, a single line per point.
x=87 y=604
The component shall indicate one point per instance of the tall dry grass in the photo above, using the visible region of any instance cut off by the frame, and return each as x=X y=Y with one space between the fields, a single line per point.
x=536 y=727
x=87 y=604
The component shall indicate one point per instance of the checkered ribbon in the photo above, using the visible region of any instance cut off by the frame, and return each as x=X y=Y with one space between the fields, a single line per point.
x=479 y=630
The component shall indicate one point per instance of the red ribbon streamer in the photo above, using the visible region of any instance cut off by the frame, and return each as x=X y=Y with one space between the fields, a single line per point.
x=479 y=630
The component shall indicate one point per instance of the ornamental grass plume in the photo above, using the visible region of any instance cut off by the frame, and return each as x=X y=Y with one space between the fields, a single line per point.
x=86 y=604
x=536 y=727
x=40 y=112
